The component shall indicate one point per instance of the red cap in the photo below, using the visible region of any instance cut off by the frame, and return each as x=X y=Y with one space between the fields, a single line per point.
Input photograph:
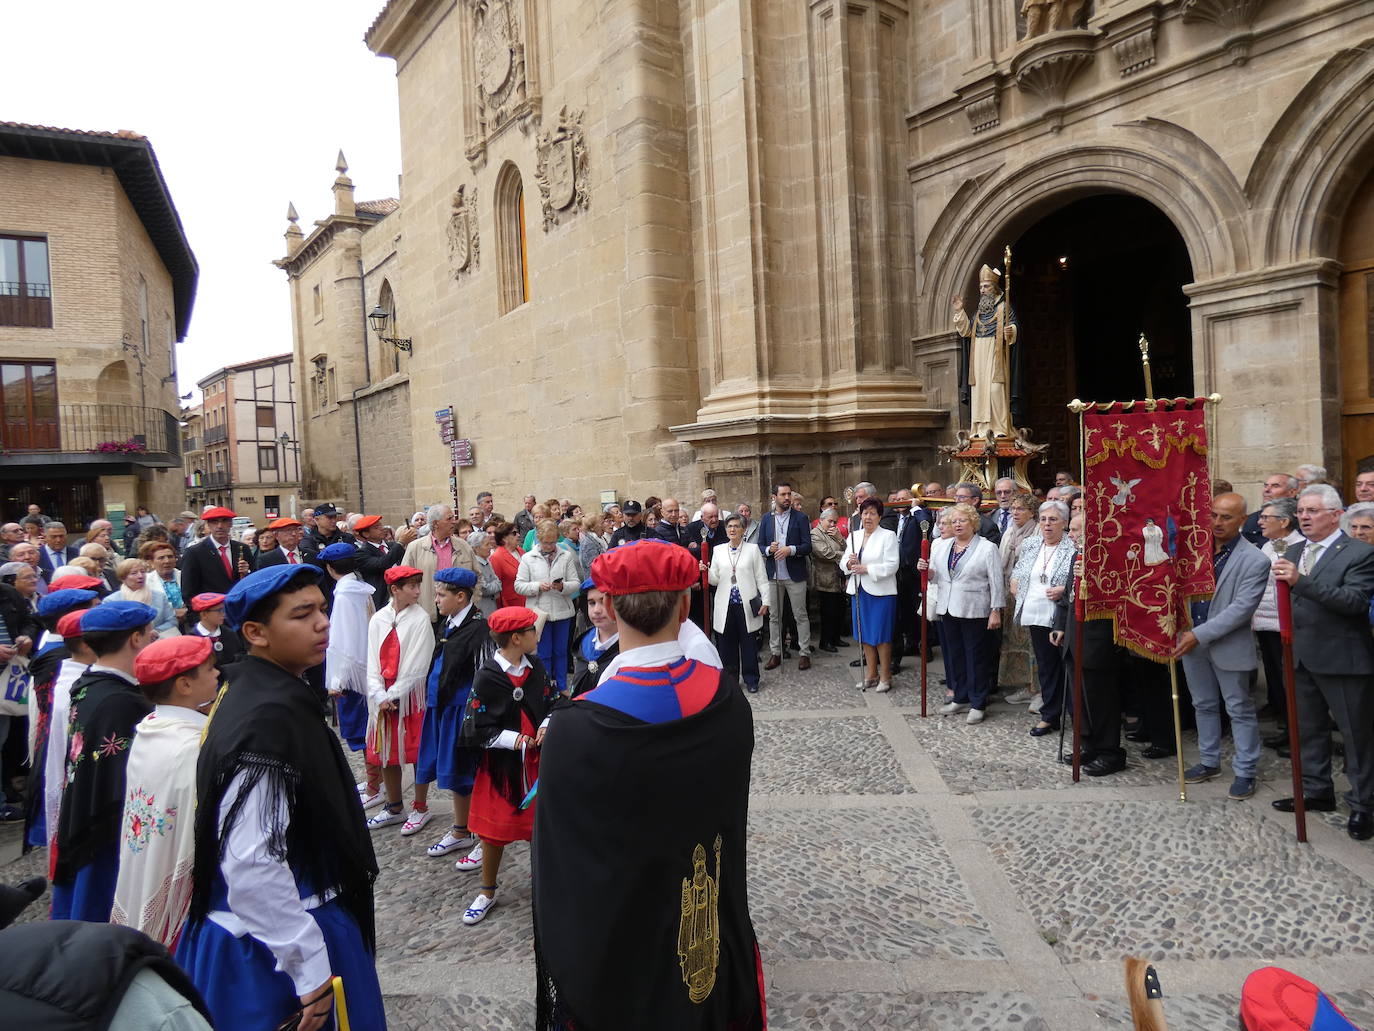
x=283 y=524
x=80 y=583
x=511 y=619
x=218 y=512
x=208 y=600
x=1278 y=1000
x=70 y=624
x=170 y=657
x=366 y=521
x=645 y=565
x=400 y=573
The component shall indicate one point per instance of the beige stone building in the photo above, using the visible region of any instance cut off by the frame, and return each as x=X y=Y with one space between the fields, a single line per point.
x=654 y=246
x=355 y=397
x=97 y=281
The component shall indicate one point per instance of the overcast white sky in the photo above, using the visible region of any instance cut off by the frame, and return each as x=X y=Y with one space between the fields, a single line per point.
x=246 y=106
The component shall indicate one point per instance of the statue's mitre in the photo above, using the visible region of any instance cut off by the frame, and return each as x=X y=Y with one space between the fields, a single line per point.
x=989 y=275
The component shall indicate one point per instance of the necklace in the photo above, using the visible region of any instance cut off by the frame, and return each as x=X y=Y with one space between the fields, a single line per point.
x=1047 y=552
x=956 y=554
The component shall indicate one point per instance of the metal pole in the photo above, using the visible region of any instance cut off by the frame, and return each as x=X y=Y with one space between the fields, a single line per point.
x=1178 y=730
x=921 y=613
x=1285 y=599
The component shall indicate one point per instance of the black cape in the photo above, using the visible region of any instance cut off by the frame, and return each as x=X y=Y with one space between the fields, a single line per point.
x=105 y=710
x=626 y=812
x=585 y=674
x=463 y=648
x=492 y=708
x=271 y=726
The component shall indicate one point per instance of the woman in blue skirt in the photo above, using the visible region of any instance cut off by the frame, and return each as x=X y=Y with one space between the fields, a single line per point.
x=870 y=562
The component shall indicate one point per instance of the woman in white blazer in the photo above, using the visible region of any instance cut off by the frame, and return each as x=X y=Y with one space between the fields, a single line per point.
x=870 y=562
x=739 y=577
x=966 y=572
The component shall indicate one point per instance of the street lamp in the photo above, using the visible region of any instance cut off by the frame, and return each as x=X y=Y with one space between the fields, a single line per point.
x=285 y=441
x=379 y=317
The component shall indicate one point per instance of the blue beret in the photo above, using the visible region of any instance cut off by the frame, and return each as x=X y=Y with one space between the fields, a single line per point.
x=117 y=615
x=56 y=603
x=587 y=585
x=254 y=587
x=336 y=552
x=457 y=576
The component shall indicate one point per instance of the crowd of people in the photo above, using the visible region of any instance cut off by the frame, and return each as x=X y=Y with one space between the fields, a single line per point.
x=454 y=645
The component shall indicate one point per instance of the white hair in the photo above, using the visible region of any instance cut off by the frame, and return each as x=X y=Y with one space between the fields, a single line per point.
x=1330 y=497
x=1312 y=472
x=1055 y=506
x=1355 y=511
x=436 y=512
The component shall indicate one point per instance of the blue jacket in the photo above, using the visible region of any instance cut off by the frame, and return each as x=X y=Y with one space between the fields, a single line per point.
x=798 y=537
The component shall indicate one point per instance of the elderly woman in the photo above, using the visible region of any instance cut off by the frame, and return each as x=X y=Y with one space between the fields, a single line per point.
x=596 y=538
x=966 y=572
x=134 y=586
x=740 y=603
x=827 y=549
x=505 y=562
x=165 y=575
x=481 y=543
x=1278 y=521
x=870 y=561
x=18 y=596
x=540 y=514
x=549 y=578
x=1014 y=668
x=1040 y=579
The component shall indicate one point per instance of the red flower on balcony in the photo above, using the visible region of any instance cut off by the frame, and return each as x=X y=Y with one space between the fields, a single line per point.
x=132 y=446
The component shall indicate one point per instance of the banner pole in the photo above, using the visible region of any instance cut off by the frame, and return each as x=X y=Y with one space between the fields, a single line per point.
x=1285 y=600
x=922 y=613
x=1145 y=362
x=1080 y=600
x=1178 y=730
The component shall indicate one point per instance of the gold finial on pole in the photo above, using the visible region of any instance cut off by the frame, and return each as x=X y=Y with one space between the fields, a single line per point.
x=1145 y=362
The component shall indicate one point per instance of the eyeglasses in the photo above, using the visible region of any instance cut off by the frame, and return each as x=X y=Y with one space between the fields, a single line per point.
x=1269 y=518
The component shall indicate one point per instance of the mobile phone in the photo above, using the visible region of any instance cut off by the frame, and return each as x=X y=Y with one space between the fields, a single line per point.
x=559 y=581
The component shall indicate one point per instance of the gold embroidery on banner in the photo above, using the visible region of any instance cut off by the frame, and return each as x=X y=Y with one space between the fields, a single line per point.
x=698 y=936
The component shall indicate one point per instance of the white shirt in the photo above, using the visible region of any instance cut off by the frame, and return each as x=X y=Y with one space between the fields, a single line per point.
x=781 y=521
x=96 y=667
x=461 y=615
x=1325 y=546
x=508 y=738
x=691 y=643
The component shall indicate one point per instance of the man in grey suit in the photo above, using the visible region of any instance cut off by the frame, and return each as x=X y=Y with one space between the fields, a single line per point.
x=1332 y=578
x=1219 y=652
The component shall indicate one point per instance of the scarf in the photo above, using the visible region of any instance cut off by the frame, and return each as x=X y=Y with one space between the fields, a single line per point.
x=400 y=647
x=345 y=663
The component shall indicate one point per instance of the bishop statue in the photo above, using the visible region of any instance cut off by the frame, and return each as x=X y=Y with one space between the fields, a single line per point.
x=989 y=359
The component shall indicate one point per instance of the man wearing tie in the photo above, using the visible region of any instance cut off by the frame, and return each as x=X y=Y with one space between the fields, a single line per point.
x=287 y=551
x=1331 y=577
x=906 y=634
x=216 y=563
x=1003 y=490
x=376 y=556
x=54 y=553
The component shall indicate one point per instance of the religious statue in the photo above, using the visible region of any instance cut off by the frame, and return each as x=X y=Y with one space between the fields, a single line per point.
x=989 y=359
x=1050 y=15
x=1155 y=555
x=698 y=942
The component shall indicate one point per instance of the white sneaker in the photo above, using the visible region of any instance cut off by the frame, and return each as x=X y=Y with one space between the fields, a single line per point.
x=1018 y=697
x=974 y=716
x=372 y=801
x=1034 y=705
x=415 y=821
x=950 y=708
x=479 y=909
x=449 y=843
x=385 y=819
x=471 y=861
x=883 y=687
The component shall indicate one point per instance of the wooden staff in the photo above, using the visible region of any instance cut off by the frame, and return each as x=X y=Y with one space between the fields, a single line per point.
x=1285 y=599
x=854 y=606
x=705 y=575
x=1079 y=601
x=922 y=613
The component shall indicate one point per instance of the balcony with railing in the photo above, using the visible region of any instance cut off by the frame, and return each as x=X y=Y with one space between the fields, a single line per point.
x=220 y=479
x=75 y=434
x=216 y=435
x=25 y=304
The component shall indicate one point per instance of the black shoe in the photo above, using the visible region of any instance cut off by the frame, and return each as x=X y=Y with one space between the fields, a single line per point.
x=1087 y=756
x=829 y=648
x=842 y=644
x=1105 y=765
x=1137 y=735
x=1042 y=728
x=896 y=667
x=752 y=688
x=1158 y=752
x=1312 y=803
x=1360 y=827
x=856 y=662
x=1276 y=740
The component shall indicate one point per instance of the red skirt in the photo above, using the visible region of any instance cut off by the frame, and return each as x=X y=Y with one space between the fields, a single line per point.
x=390 y=726
x=492 y=817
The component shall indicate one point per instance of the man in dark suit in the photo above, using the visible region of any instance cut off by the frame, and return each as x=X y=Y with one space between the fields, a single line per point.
x=288 y=550
x=375 y=557
x=215 y=564
x=1276 y=485
x=906 y=639
x=54 y=551
x=325 y=532
x=971 y=494
x=1332 y=577
x=785 y=539
x=703 y=536
x=668 y=528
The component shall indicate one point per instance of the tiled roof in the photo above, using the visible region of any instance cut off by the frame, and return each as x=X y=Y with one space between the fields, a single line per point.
x=118 y=134
x=385 y=206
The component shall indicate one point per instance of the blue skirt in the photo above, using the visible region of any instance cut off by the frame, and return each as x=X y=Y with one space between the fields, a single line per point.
x=441 y=761
x=353 y=719
x=90 y=895
x=241 y=985
x=874 y=613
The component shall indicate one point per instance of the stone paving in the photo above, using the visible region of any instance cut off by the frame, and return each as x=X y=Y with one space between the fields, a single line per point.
x=909 y=873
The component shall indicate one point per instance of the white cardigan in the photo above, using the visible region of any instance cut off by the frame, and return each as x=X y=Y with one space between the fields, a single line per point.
x=751 y=578
x=879 y=555
x=536 y=569
x=976 y=582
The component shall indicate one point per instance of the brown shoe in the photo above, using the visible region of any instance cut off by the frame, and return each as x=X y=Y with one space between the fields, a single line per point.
x=805 y=662
x=773 y=662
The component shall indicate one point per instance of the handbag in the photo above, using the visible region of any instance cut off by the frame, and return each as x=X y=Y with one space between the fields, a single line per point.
x=14 y=687
x=756 y=604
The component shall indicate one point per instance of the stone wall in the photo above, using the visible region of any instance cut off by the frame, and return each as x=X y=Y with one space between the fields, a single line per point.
x=384 y=417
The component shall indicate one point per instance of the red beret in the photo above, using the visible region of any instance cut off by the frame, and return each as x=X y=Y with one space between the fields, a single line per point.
x=70 y=624
x=645 y=565
x=283 y=524
x=396 y=573
x=511 y=619
x=218 y=512
x=171 y=657
x=80 y=583
x=366 y=521
x=208 y=600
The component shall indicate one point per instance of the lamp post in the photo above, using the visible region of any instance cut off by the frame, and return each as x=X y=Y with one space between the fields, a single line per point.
x=379 y=317
x=285 y=441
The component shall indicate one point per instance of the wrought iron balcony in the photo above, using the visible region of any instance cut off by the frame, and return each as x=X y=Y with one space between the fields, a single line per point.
x=216 y=435
x=71 y=434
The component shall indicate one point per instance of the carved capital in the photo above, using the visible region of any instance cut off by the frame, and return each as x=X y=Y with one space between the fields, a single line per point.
x=561 y=171
x=982 y=102
x=1132 y=39
x=1234 y=17
x=1047 y=64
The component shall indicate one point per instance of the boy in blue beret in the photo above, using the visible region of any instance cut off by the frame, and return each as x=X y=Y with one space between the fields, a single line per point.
x=282 y=895
x=106 y=704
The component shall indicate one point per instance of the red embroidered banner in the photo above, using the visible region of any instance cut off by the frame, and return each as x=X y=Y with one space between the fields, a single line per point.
x=1148 y=519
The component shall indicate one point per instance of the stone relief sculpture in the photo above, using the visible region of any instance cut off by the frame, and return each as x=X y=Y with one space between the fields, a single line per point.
x=1044 y=16
x=498 y=74
x=562 y=167
x=464 y=250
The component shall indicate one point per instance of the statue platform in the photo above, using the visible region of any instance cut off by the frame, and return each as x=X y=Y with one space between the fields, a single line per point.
x=985 y=461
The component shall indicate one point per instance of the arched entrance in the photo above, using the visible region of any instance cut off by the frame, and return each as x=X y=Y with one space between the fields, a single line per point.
x=1356 y=255
x=1087 y=279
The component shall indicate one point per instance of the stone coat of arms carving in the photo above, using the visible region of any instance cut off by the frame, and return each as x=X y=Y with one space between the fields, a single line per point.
x=562 y=167
x=464 y=248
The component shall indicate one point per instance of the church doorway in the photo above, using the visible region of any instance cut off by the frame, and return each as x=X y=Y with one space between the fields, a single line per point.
x=1087 y=280
x=1356 y=300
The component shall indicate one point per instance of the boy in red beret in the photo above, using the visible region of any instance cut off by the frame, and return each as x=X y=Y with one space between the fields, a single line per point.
x=510 y=700
x=208 y=609
x=640 y=902
x=157 y=842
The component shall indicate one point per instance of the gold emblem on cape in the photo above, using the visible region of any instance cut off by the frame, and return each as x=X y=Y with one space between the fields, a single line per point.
x=698 y=936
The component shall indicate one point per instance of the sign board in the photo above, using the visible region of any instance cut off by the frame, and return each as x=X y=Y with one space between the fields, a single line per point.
x=462 y=453
x=608 y=497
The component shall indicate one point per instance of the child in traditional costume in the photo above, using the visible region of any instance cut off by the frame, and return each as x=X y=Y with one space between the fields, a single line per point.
x=106 y=705
x=208 y=609
x=462 y=638
x=345 y=664
x=598 y=646
x=511 y=695
x=400 y=645
x=157 y=833
x=284 y=867
x=641 y=909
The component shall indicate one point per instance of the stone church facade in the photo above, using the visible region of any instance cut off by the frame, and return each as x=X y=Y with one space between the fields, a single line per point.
x=650 y=245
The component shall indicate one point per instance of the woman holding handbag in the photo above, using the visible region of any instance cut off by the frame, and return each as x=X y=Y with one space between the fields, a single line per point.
x=740 y=578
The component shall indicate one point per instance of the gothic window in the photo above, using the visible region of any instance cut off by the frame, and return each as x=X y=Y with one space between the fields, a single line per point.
x=390 y=354
x=512 y=256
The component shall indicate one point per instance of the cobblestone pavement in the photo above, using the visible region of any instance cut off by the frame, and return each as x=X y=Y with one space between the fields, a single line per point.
x=909 y=873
